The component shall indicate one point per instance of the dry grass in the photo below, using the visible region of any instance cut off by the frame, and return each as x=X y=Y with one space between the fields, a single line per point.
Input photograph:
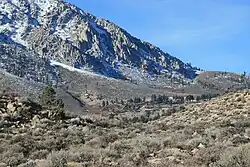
x=208 y=134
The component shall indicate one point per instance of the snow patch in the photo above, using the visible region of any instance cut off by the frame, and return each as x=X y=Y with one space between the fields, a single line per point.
x=100 y=31
x=199 y=72
x=73 y=69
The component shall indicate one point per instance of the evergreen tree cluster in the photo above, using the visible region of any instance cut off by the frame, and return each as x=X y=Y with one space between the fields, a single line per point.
x=50 y=102
x=161 y=99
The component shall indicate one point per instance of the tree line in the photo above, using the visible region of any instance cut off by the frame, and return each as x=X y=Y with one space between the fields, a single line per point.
x=162 y=99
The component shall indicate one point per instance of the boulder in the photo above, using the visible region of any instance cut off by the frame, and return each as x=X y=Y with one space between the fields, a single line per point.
x=5 y=116
x=15 y=115
x=3 y=164
x=201 y=146
x=35 y=120
x=11 y=107
x=76 y=121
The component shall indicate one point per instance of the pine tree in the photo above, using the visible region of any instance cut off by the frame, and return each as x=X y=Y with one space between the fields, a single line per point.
x=49 y=96
x=137 y=100
x=198 y=98
x=103 y=103
x=190 y=98
x=49 y=101
x=153 y=98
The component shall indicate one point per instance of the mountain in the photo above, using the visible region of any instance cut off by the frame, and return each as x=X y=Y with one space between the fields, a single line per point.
x=41 y=31
x=53 y=42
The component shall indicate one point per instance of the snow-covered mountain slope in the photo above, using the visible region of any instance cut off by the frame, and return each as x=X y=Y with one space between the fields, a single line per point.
x=58 y=31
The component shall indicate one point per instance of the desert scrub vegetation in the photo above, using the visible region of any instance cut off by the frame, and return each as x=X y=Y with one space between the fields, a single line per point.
x=234 y=157
x=208 y=134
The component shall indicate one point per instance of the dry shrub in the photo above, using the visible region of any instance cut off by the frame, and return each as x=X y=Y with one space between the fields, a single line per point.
x=30 y=163
x=54 y=159
x=234 y=157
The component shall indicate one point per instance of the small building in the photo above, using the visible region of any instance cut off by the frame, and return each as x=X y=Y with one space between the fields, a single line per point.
x=147 y=107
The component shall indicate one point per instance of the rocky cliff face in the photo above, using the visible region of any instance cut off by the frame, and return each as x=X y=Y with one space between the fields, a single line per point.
x=56 y=30
x=24 y=64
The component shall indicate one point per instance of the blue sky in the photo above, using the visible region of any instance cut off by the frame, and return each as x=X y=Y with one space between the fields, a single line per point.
x=211 y=34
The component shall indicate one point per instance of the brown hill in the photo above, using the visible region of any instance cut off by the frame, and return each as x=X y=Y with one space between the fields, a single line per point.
x=214 y=133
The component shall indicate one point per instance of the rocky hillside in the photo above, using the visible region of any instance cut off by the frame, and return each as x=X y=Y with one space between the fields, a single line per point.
x=19 y=62
x=58 y=31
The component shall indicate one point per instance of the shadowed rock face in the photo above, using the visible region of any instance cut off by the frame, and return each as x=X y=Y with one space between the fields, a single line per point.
x=62 y=32
x=24 y=64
